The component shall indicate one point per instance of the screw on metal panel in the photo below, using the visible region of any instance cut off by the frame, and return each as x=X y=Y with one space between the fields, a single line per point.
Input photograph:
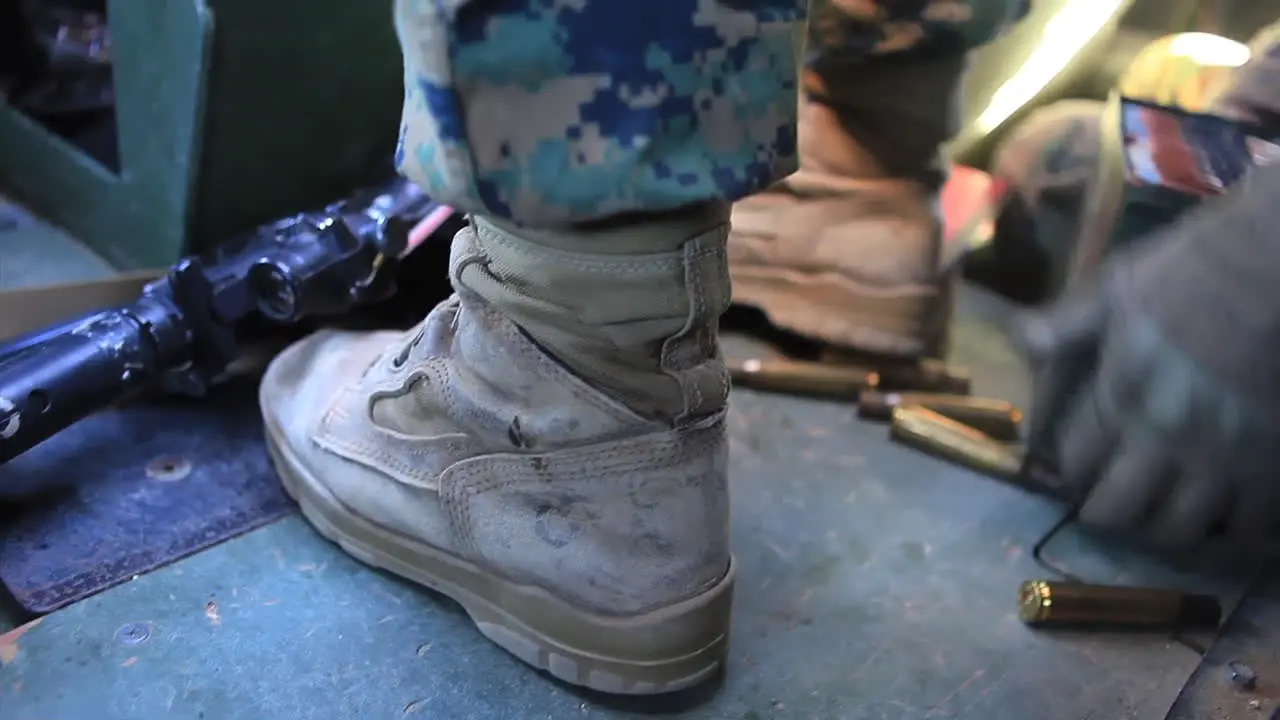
x=133 y=633
x=169 y=468
x=1241 y=675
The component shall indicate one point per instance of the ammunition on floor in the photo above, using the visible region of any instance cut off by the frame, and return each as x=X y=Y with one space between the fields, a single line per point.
x=801 y=377
x=925 y=375
x=931 y=376
x=940 y=436
x=999 y=419
x=936 y=434
x=1053 y=604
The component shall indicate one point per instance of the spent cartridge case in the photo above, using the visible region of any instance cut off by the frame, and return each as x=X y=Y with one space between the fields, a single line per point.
x=940 y=436
x=924 y=375
x=802 y=377
x=1053 y=604
x=931 y=376
x=999 y=419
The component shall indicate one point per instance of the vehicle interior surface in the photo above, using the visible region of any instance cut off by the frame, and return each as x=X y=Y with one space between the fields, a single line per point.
x=205 y=165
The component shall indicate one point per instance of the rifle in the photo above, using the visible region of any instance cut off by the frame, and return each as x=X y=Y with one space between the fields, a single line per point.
x=185 y=328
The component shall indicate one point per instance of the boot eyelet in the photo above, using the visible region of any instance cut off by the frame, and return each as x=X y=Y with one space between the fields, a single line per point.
x=402 y=357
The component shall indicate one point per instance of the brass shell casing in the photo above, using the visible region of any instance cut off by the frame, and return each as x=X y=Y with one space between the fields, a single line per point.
x=1045 y=603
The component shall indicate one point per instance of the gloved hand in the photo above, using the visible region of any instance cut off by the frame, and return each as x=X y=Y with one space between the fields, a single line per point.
x=1253 y=93
x=1159 y=388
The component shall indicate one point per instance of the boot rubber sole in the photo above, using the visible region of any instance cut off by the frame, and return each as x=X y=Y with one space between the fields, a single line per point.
x=905 y=320
x=666 y=650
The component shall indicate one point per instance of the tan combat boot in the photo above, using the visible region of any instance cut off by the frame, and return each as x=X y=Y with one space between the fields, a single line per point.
x=845 y=250
x=548 y=448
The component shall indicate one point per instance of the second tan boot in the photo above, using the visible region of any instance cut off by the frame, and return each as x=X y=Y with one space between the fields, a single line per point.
x=845 y=251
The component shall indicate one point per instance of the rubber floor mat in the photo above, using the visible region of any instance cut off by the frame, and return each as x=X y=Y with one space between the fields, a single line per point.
x=132 y=489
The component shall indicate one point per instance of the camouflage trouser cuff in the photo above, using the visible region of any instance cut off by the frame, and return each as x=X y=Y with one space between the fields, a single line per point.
x=899 y=108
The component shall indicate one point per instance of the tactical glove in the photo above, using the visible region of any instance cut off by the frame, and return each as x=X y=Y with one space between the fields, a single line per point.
x=1159 y=387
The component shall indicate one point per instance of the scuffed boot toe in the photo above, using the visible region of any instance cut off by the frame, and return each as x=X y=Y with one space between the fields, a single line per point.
x=299 y=382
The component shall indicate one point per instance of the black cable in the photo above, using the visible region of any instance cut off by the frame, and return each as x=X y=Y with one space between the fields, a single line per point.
x=1037 y=550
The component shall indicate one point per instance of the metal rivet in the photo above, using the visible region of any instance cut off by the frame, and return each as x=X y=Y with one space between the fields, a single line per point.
x=1241 y=675
x=133 y=633
x=169 y=468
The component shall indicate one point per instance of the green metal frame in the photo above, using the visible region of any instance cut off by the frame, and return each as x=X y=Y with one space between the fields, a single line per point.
x=230 y=113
